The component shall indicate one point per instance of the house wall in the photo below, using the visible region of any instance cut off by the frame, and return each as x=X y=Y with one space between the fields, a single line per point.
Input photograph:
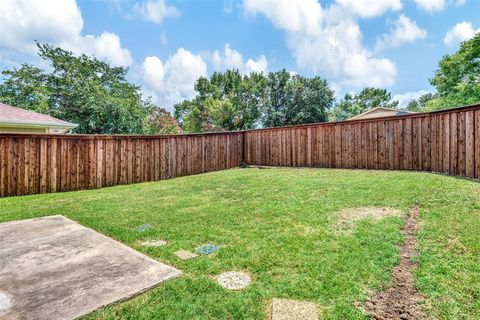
x=22 y=130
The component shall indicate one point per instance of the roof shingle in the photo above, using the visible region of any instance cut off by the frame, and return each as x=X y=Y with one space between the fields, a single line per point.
x=13 y=115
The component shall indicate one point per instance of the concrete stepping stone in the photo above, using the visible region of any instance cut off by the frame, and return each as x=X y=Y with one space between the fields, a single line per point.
x=284 y=309
x=234 y=280
x=185 y=255
x=154 y=243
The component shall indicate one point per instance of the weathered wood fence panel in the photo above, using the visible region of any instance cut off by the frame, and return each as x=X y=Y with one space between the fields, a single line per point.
x=445 y=141
x=32 y=164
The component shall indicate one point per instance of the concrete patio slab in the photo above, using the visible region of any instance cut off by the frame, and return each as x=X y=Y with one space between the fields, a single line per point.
x=53 y=268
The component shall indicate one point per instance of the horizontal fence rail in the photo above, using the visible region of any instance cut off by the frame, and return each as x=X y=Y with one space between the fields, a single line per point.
x=32 y=164
x=446 y=141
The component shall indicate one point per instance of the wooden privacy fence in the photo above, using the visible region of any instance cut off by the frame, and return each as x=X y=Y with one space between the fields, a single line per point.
x=446 y=141
x=32 y=164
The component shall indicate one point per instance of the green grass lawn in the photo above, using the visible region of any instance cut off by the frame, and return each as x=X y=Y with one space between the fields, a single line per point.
x=279 y=225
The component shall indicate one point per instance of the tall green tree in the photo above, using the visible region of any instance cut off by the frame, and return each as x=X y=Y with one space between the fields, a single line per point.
x=310 y=100
x=191 y=115
x=277 y=99
x=420 y=104
x=226 y=101
x=27 y=88
x=79 y=89
x=231 y=101
x=294 y=99
x=457 y=78
x=355 y=104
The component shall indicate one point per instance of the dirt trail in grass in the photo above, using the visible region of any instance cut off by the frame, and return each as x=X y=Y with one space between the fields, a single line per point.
x=401 y=300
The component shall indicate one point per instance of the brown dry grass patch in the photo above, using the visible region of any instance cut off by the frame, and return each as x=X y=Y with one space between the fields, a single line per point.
x=347 y=218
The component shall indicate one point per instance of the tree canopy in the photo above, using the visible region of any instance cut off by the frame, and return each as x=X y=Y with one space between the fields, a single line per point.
x=79 y=89
x=355 y=104
x=161 y=121
x=456 y=80
x=294 y=99
x=98 y=97
x=420 y=104
x=232 y=101
x=225 y=101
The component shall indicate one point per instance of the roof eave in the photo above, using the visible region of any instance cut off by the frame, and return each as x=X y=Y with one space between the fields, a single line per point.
x=374 y=109
x=29 y=124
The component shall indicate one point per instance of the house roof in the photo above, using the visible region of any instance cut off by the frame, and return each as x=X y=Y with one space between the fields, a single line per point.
x=398 y=112
x=16 y=116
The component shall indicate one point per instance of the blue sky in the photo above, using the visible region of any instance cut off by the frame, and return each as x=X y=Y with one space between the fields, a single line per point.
x=167 y=45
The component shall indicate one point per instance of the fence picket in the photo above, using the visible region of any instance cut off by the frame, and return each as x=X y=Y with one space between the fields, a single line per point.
x=446 y=141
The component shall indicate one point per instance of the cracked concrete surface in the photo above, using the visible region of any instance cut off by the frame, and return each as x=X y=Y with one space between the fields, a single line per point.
x=53 y=268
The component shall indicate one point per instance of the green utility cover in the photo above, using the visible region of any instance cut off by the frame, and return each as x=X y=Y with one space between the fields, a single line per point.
x=207 y=249
x=144 y=227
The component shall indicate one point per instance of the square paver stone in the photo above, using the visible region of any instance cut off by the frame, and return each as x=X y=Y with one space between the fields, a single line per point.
x=185 y=255
x=53 y=268
x=284 y=309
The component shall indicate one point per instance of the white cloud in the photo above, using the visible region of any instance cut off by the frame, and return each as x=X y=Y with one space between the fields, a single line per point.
x=290 y=15
x=232 y=59
x=23 y=21
x=155 y=10
x=404 y=98
x=259 y=65
x=403 y=30
x=106 y=46
x=173 y=81
x=57 y=22
x=326 y=40
x=430 y=5
x=153 y=73
x=460 y=32
x=369 y=8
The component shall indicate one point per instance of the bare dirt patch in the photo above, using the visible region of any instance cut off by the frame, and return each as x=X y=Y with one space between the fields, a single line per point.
x=401 y=300
x=347 y=218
